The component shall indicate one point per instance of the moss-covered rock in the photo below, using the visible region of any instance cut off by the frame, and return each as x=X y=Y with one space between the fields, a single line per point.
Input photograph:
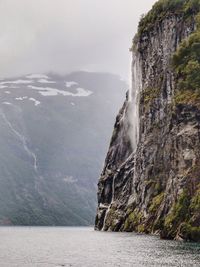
x=188 y=232
x=134 y=221
x=156 y=202
x=187 y=97
x=195 y=203
x=113 y=219
x=179 y=213
x=149 y=95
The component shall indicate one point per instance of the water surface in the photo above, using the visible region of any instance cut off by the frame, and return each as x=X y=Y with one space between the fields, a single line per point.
x=77 y=247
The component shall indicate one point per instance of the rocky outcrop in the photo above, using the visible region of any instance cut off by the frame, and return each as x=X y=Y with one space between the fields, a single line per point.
x=151 y=179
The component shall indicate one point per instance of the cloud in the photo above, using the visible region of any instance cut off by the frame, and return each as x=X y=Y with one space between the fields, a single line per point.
x=66 y=35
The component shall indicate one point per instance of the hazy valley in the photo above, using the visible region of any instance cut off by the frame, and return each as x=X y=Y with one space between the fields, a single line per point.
x=54 y=134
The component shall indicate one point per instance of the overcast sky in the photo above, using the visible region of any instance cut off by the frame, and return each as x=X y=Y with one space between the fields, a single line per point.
x=68 y=35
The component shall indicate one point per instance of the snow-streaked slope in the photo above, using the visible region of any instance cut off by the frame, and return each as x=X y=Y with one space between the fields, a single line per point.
x=49 y=91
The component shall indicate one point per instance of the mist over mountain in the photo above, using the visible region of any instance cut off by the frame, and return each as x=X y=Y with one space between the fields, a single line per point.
x=55 y=131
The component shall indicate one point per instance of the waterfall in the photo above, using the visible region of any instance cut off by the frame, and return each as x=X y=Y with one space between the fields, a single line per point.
x=133 y=101
x=132 y=115
x=133 y=112
x=23 y=140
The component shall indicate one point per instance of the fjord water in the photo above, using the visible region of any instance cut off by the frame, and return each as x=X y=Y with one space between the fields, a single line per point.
x=73 y=246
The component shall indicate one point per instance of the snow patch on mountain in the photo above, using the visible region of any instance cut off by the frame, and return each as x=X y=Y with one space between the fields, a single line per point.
x=17 y=82
x=70 y=84
x=21 y=98
x=70 y=180
x=7 y=103
x=36 y=102
x=45 y=81
x=82 y=92
x=48 y=91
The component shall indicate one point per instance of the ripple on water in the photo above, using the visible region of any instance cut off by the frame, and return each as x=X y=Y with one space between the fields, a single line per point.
x=76 y=247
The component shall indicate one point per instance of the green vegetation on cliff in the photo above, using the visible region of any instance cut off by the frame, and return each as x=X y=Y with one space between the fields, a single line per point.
x=184 y=217
x=156 y=202
x=186 y=61
x=177 y=215
x=165 y=8
x=134 y=222
x=149 y=94
x=187 y=97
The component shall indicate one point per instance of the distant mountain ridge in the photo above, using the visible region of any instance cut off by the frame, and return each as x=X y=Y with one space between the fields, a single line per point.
x=54 y=134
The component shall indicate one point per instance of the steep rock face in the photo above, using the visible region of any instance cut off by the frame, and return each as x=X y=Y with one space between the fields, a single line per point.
x=151 y=184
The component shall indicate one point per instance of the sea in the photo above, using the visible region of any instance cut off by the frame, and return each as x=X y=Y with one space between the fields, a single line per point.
x=84 y=247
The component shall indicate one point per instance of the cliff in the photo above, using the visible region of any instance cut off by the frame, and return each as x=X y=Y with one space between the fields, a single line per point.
x=151 y=179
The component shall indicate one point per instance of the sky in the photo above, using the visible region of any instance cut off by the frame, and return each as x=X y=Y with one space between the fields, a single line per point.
x=38 y=36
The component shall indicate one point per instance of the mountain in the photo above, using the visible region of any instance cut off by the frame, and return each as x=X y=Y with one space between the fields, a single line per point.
x=54 y=134
x=151 y=179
